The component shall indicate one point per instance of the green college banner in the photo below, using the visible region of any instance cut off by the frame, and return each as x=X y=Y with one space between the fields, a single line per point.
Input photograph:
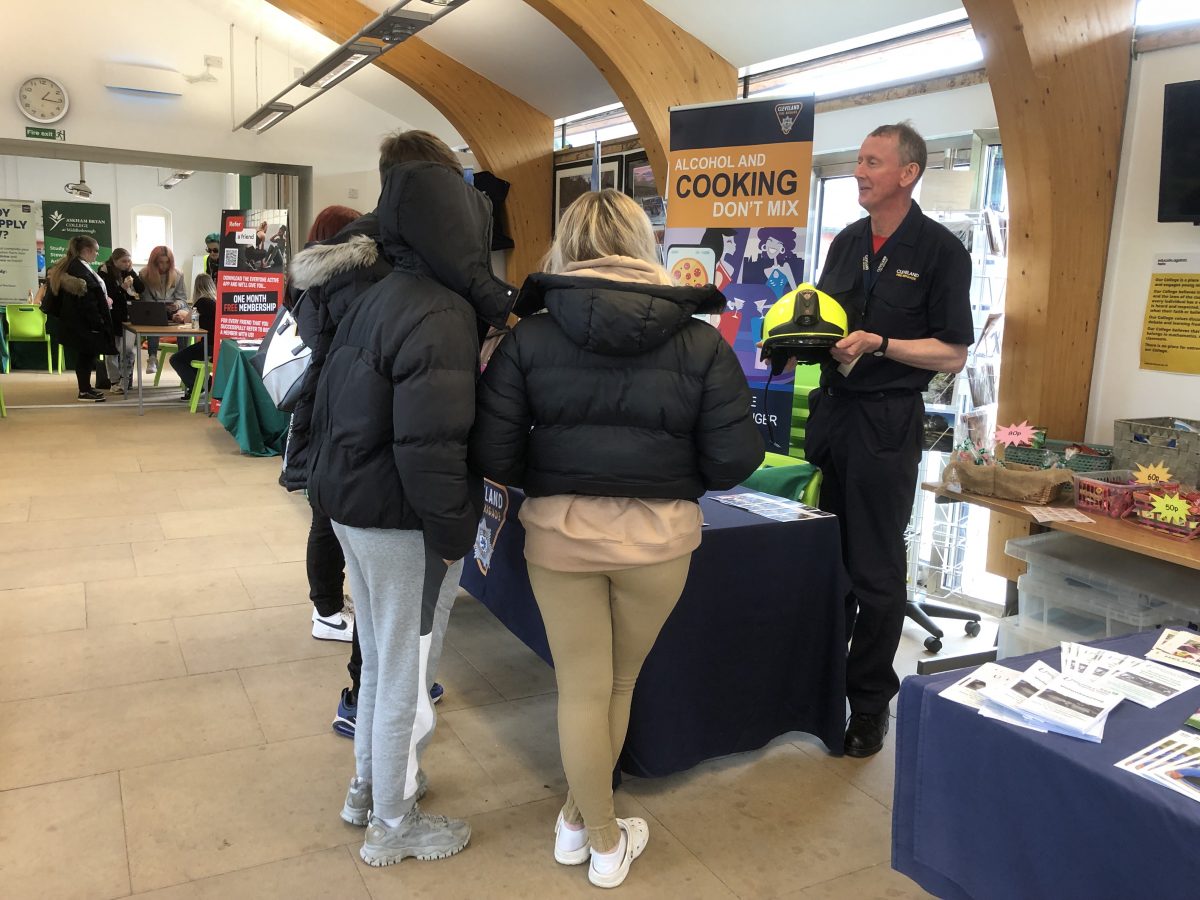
x=18 y=250
x=62 y=220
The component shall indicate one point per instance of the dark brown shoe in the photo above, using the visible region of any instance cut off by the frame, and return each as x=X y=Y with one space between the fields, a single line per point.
x=865 y=733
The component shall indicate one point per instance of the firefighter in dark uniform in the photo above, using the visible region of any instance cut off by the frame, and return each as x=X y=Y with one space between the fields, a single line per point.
x=905 y=283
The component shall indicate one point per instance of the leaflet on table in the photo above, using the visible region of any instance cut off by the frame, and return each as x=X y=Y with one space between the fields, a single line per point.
x=1002 y=701
x=1193 y=721
x=1144 y=682
x=1173 y=762
x=1177 y=648
x=1150 y=684
x=1072 y=707
x=769 y=507
x=967 y=689
x=1092 y=662
x=1047 y=699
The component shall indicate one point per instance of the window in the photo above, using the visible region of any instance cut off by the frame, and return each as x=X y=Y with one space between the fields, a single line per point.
x=1165 y=12
x=151 y=228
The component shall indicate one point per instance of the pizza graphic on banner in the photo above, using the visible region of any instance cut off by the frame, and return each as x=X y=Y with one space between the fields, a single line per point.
x=689 y=272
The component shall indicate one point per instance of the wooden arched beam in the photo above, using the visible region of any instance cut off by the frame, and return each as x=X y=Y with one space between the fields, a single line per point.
x=649 y=61
x=507 y=135
x=1059 y=74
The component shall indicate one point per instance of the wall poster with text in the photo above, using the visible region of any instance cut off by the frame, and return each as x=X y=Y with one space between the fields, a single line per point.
x=250 y=280
x=63 y=220
x=737 y=217
x=18 y=250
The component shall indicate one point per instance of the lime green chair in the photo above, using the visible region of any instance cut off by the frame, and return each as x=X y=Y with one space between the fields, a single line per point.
x=3 y=408
x=28 y=324
x=198 y=385
x=787 y=477
x=165 y=352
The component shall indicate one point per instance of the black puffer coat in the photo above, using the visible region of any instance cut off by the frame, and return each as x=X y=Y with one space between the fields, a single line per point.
x=85 y=325
x=396 y=396
x=616 y=392
x=328 y=278
x=114 y=283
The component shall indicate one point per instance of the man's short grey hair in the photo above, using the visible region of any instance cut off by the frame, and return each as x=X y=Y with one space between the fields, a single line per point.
x=912 y=145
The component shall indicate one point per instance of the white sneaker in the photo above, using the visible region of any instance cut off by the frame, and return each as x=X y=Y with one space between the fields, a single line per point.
x=636 y=836
x=151 y=365
x=338 y=627
x=565 y=840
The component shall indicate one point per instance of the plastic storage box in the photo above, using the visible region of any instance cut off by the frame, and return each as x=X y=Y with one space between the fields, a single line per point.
x=1081 y=590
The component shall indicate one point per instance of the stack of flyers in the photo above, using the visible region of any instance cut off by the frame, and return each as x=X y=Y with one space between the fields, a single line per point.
x=1000 y=701
x=1177 y=648
x=1144 y=682
x=769 y=507
x=1046 y=700
x=1173 y=762
x=967 y=689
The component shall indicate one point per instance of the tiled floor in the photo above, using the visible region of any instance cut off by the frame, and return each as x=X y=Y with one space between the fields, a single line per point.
x=164 y=713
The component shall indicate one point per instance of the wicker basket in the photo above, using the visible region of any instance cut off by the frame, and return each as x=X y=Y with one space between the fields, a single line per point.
x=1141 y=512
x=1109 y=493
x=1009 y=481
x=1057 y=451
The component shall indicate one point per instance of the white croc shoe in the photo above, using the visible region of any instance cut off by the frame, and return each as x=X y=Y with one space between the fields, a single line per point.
x=637 y=835
x=563 y=853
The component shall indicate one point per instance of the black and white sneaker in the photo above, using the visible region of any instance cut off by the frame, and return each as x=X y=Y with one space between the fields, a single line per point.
x=91 y=397
x=338 y=627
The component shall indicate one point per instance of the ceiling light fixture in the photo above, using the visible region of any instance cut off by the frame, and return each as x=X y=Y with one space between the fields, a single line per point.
x=267 y=116
x=390 y=29
x=342 y=63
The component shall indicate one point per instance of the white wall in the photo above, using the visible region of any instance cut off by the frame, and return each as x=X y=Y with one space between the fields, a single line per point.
x=1119 y=388
x=339 y=132
x=195 y=204
x=958 y=111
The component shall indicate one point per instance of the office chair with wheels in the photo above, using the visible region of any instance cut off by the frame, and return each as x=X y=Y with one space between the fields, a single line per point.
x=921 y=610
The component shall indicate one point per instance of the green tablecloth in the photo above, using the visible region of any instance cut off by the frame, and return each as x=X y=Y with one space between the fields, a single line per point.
x=246 y=408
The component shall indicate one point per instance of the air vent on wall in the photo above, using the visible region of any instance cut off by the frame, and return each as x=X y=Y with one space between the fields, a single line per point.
x=143 y=79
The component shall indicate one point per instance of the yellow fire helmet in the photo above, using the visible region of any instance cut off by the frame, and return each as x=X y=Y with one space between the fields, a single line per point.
x=803 y=324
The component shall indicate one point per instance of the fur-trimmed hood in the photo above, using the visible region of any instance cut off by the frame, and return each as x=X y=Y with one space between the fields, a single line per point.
x=322 y=262
x=72 y=284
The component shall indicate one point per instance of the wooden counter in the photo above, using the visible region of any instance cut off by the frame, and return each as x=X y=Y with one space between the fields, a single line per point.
x=1114 y=532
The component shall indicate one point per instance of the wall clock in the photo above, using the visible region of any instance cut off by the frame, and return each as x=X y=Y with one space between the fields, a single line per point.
x=42 y=100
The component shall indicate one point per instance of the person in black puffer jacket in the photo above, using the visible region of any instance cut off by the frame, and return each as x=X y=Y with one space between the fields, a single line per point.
x=341 y=259
x=124 y=286
x=82 y=305
x=387 y=463
x=614 y=411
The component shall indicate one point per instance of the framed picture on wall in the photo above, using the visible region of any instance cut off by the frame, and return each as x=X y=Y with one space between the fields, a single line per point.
x=573 y=180
x=639 y=184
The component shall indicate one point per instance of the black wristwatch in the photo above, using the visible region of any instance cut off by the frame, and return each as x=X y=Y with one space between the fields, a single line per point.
x=882 y=351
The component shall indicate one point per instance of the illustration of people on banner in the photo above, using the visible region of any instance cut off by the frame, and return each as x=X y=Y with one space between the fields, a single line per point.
x=737 y=218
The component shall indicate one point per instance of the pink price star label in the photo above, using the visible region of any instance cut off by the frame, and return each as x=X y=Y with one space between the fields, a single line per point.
x=1015 y=435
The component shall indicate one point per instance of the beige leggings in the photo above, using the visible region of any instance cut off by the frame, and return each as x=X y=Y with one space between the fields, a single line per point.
x=601 y=626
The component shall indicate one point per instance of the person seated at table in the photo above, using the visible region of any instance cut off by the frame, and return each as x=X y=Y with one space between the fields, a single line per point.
x=614 y=412
x=204 y=301
x=124 y=286
x=387 y=465
x=163 y=284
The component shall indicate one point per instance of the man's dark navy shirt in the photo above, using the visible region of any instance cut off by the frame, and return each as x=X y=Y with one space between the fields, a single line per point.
x=919 y=287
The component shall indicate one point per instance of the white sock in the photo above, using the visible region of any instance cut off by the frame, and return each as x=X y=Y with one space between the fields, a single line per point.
x=571 y=837
x=391 y=823
x=607 y=863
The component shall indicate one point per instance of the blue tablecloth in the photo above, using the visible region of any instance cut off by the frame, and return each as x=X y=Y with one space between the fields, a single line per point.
x=755 y=648
x=989 y=810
